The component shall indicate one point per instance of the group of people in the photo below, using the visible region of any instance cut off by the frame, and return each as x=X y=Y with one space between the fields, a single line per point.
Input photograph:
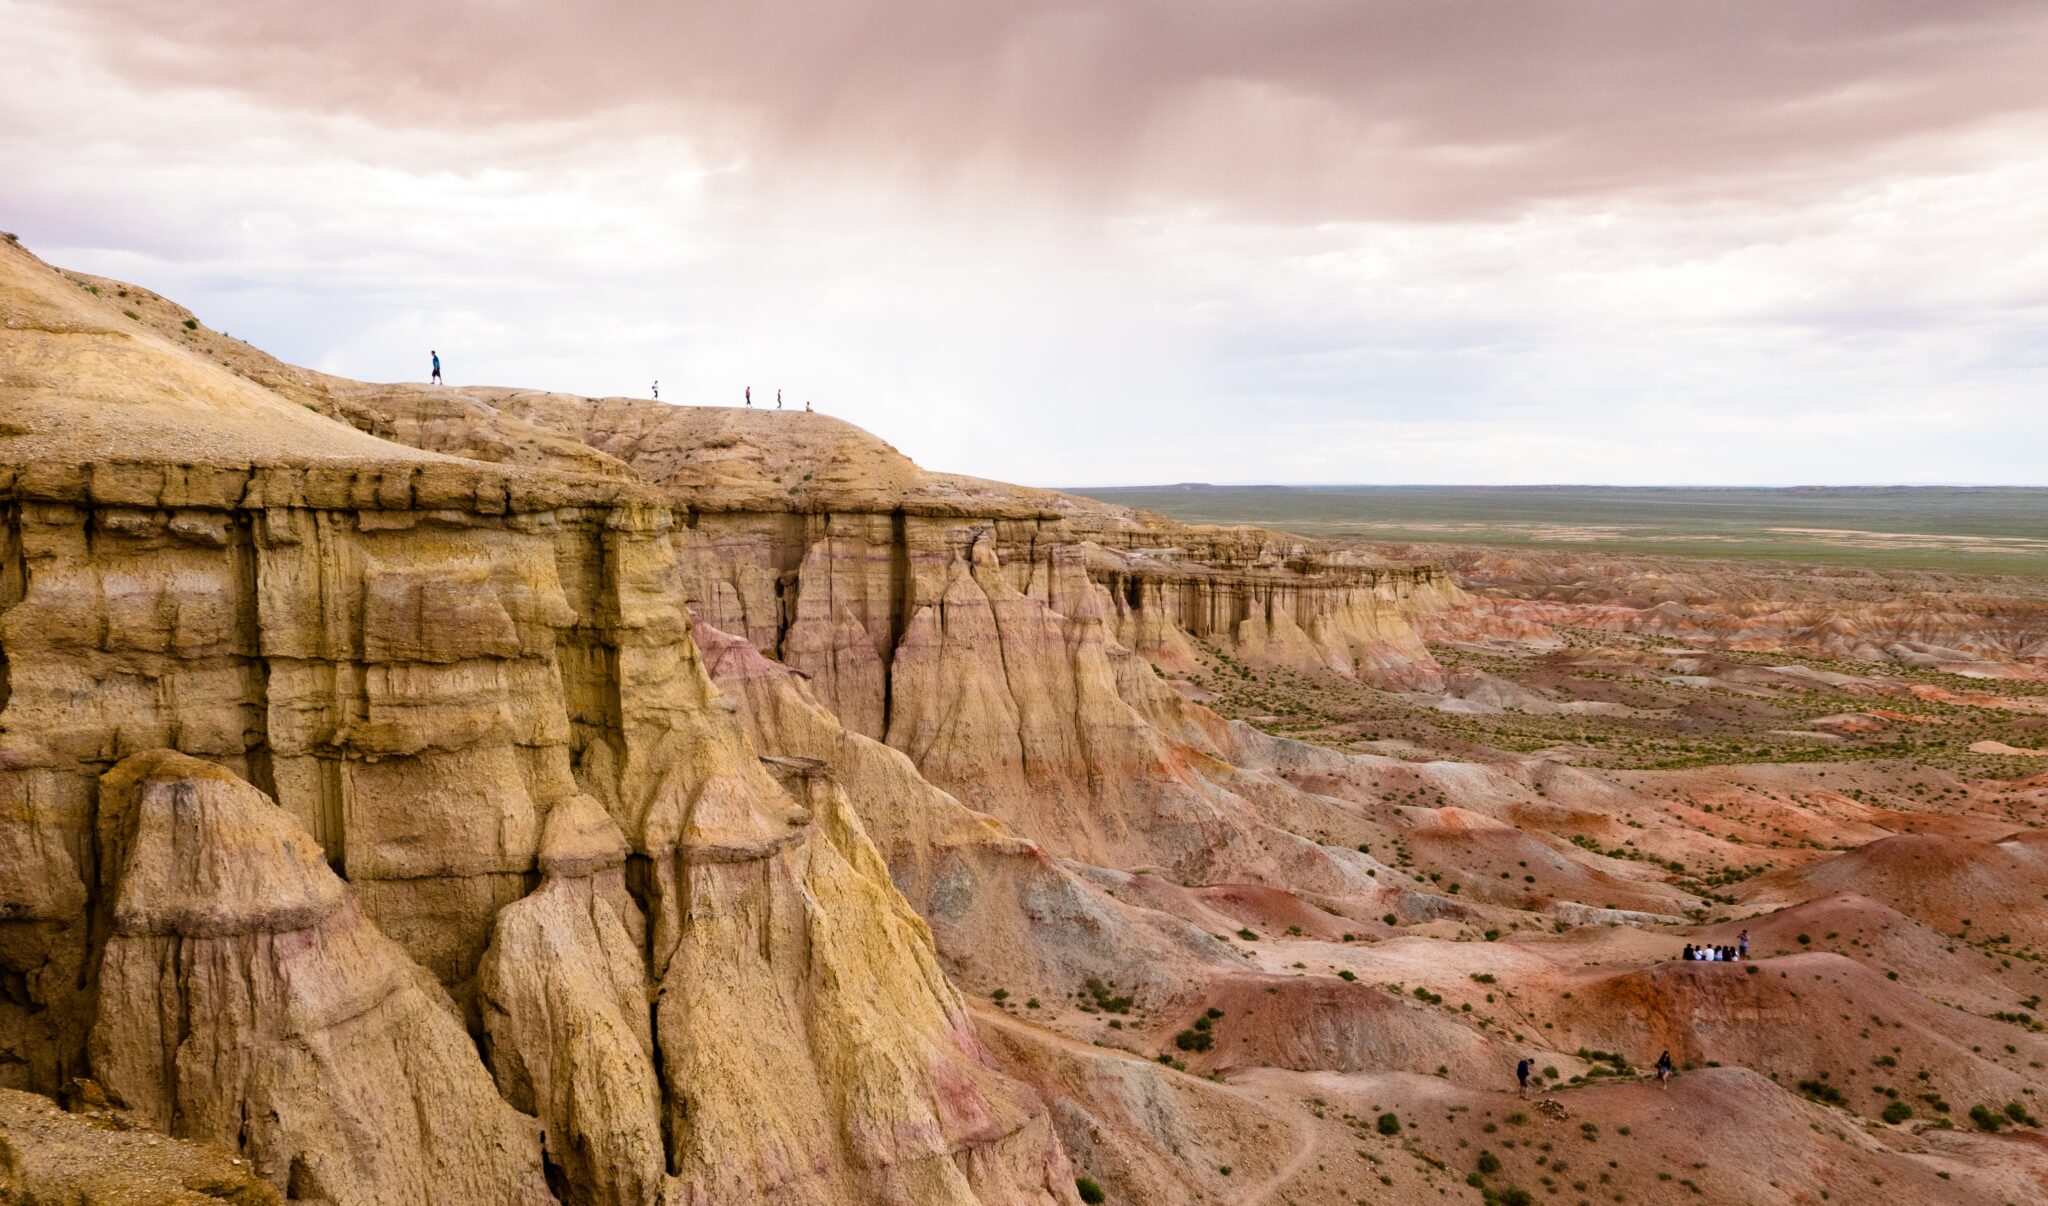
x=434 y=358
x=748 y=395
x=1523 y=1070
x=1718 y=954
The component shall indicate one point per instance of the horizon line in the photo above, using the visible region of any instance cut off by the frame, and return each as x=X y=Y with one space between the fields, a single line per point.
x=1193 y=486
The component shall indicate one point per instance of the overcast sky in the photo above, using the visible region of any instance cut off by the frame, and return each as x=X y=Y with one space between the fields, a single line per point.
x=1632 y=241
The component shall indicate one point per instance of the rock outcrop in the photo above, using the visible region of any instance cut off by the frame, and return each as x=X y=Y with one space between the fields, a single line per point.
x=243 y=1000
x=506 y=795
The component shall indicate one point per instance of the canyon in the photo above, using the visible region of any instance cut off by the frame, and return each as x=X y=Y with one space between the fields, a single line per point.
x=460 y=794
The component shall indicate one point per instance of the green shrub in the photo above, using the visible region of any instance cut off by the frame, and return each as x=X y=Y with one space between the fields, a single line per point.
x=1986 y=1118
x=1822 y=1091
x=1390 y=1124
x=1090 y=1192
x=1897 y=1112
x=1390 y=919
x=1488 y=1162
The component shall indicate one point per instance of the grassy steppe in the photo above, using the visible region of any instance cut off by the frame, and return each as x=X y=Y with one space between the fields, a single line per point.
x=1997 y=530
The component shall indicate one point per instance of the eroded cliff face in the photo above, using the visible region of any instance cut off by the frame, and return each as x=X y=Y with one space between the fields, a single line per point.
x=511 y=811
x=1007 y=685
x=1004 y=638
x=242 y=999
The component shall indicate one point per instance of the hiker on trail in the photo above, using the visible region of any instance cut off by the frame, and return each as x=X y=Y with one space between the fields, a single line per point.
x=750 y=395
x=778 y=399
x=656 y=387
x=437 y=367
x=1522 y=1075
x=1742 y=944
x=1663 y=1069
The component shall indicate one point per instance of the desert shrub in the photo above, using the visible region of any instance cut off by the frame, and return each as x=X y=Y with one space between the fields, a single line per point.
x=1488 y=1162
x=1347 y=974
x=1389 y=1124
x=1822 y=1091
x=1986 y=1118
x=1105 y=997
x=1897 y=1112
x=1090 y=1192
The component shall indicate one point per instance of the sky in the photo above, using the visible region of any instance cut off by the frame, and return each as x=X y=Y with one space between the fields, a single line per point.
x=1088 y=243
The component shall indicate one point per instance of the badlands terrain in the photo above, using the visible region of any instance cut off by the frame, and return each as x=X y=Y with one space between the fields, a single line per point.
x=476 y=795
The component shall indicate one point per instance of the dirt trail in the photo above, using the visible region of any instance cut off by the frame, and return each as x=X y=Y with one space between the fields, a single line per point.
x=1311 y=1146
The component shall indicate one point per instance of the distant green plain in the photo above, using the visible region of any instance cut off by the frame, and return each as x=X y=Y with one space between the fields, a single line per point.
x=1993 y=530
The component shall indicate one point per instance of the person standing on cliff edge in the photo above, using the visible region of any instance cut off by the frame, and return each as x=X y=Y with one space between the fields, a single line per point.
x=656 y=387
x=437 y=367
x=750 y=395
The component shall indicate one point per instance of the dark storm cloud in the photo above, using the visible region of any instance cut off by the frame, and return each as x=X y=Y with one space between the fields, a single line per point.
x=1288 y=109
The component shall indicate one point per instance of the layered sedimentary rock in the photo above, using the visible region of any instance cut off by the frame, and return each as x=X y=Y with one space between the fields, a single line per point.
x=473 y=693
x=1005 y=912
x=564 y=995
x=243 y=1000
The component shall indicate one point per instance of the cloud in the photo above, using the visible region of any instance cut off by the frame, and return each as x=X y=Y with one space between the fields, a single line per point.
x=1074 y=245
x=1298 y=110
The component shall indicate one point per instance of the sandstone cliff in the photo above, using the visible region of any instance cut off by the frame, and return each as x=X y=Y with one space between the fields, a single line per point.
x=496 y=758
